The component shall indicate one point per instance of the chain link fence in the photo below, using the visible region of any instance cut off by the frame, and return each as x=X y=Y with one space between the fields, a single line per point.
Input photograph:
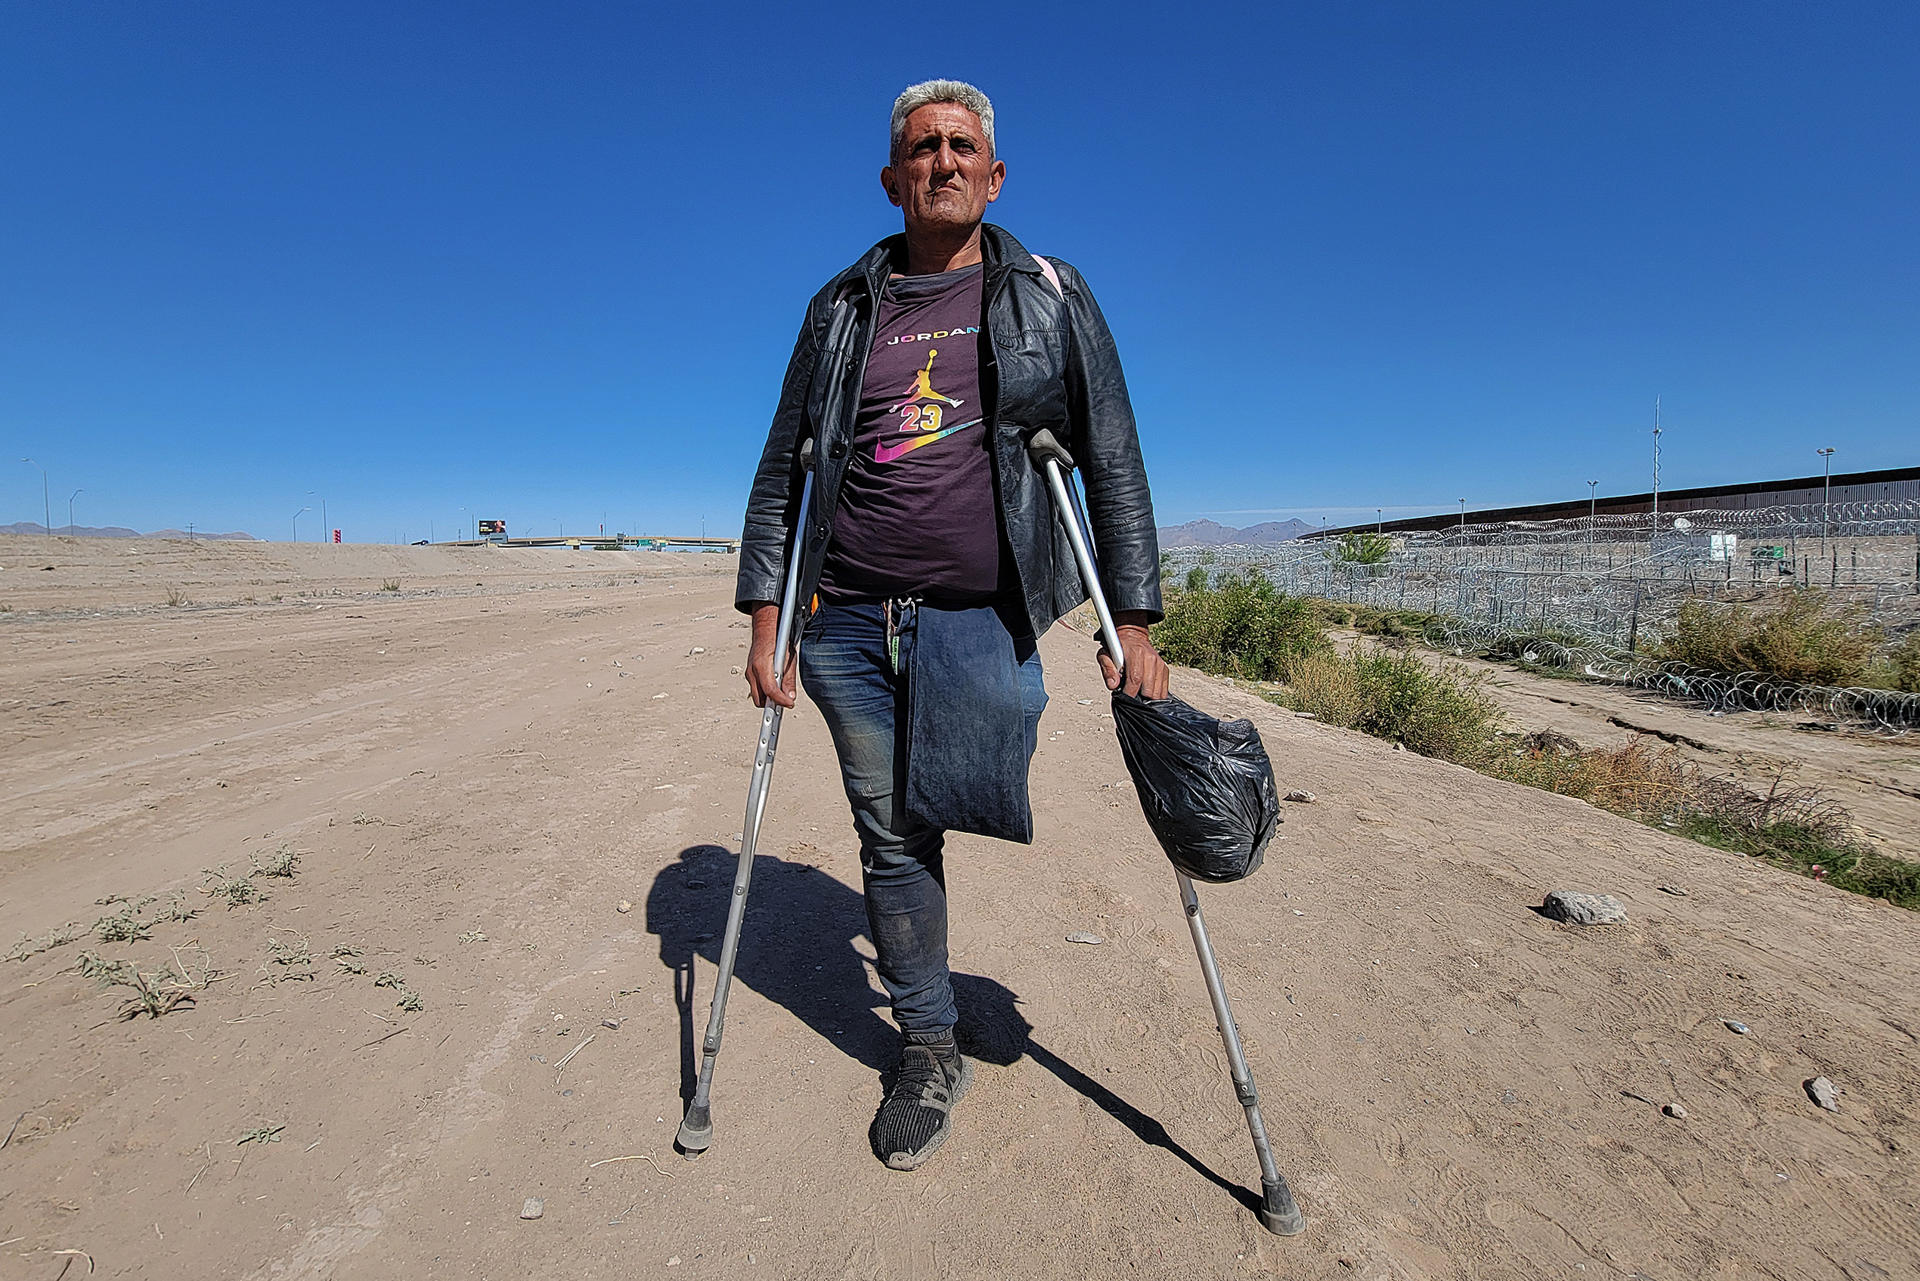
x=1594 y=595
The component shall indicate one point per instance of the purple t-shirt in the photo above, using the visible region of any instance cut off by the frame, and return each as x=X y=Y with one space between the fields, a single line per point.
x=917 y=512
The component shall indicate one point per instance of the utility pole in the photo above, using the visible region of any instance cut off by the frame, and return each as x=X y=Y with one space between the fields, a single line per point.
x=1656 y=467
x=1826 y=515
x=189 y=531
x=70 y=497
x=1378 y=521
x=1593 y=489
x=46 y=503
x=1463 y=520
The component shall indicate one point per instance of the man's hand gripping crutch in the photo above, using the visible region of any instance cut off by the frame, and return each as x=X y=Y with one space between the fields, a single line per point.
x=696 y=1129
x=1277 y=1211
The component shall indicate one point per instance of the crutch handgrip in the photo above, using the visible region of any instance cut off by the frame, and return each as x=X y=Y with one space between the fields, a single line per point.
x=1045 y=447
x=1046 y=451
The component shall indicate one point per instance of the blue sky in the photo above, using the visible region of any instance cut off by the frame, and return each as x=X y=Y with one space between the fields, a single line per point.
x=546 y=262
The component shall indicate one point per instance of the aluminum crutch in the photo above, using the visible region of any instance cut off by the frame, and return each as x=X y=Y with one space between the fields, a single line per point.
x=1278 y=1213
x=696 y=1128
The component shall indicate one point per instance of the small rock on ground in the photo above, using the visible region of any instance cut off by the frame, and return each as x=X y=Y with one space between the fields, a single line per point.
x=1081 y=936
x=1576 y=908
x=1547 y=742
x=1675 y=1111
x=1736 y=1027
x=1821 y=1091
x=1302 y=796
x=1675 y=890
x=533 y=1209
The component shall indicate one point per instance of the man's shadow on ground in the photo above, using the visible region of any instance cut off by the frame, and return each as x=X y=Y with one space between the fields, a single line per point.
x=797 y=950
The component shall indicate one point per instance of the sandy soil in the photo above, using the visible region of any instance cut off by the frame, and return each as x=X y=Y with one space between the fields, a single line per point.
x=512 y=743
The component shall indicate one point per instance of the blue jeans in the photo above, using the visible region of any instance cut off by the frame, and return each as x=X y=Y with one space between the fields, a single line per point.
x=850 y=677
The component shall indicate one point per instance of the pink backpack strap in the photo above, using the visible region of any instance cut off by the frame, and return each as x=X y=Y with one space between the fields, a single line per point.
x=1053 y=277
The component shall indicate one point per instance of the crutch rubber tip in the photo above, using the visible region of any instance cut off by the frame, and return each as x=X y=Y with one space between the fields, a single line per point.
x=696 y=1133
x=1278 y=1212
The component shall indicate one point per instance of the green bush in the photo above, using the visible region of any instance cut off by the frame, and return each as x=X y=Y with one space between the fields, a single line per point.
x=1363 y=547
x=1239 y=626
x=1437 y=711
x=1408 y=624
x=1903 y=664
x=1799 y=637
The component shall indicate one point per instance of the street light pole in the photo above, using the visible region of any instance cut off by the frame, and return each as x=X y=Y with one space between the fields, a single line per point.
x=70 y=497
x=1379 y=521
x=1826 y=515
x=1593 y=501
x=296 y=523
x=46 y=502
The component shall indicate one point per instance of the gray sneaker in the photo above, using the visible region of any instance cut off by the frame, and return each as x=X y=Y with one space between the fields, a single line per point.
x=915 y=1117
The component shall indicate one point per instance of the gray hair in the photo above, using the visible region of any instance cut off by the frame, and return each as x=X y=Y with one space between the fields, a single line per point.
x=931 y=91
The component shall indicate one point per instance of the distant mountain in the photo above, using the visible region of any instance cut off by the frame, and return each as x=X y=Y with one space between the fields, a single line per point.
x=120 y=531
x=1274 y=531
x=1210 y=533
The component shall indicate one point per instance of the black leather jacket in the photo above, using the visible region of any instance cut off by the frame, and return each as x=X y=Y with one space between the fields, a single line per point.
x=1047 y=361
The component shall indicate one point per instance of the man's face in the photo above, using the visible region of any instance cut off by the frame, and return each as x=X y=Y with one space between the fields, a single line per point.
x=944 y=175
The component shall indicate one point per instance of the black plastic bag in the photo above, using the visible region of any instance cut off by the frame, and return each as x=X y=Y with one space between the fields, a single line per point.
x=1206 y=785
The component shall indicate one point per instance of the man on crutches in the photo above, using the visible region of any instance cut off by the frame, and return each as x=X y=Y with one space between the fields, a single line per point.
x=897 y=510
x=931 y=559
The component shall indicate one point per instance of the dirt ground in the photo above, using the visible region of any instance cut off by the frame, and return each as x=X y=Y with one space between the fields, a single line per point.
x=478 y=767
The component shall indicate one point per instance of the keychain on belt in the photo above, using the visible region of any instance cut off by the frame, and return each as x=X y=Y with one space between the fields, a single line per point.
x=900 y=615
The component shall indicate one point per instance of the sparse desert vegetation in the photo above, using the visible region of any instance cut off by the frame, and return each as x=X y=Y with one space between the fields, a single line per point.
x=283 y=863
x=1437 y=711
x=1241 y=626
x=1800 y=635
x=1440 y=709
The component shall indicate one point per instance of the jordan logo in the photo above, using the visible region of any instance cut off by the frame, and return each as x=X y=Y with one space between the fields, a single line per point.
x=920 y=416
x=922 y=386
